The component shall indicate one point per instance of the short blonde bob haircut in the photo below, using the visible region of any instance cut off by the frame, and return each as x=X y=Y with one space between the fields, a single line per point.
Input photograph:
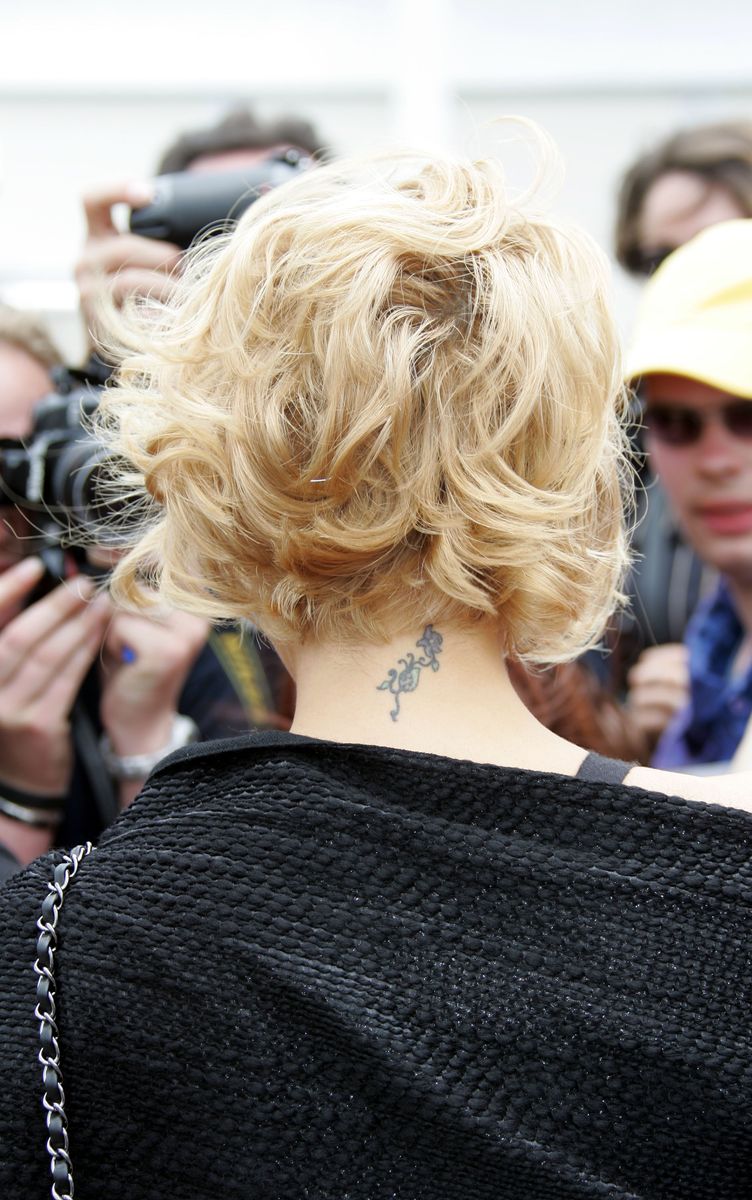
x=390 y=397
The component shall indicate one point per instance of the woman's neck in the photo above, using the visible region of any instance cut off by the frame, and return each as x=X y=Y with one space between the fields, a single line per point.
x=439 y=690
x=452 y=697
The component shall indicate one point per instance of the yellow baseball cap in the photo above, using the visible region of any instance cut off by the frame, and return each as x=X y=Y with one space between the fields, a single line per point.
x=695 y=318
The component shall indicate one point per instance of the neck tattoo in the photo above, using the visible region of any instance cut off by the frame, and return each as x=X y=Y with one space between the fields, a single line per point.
x=406 y=677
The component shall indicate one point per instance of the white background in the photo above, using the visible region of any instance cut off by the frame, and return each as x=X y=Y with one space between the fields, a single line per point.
x=90 y=93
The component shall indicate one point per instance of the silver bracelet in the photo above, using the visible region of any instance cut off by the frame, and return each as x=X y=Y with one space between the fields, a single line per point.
x=41 y=817
x=130 y=767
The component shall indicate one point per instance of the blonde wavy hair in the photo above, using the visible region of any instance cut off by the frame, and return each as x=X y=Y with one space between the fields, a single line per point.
x=392 y=396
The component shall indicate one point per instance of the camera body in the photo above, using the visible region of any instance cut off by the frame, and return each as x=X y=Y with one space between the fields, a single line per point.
x=54 y=472
x=60 y=475
x=187 y=204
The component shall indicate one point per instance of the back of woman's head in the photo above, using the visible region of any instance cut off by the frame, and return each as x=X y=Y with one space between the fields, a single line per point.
x=388 y=398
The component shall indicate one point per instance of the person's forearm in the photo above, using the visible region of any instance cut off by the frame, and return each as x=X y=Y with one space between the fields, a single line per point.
x=128 y=790
x=128 y=742
x=24 y=842
x=132 y=757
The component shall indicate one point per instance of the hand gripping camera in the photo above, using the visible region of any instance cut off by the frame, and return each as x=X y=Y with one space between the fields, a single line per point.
x=187 y=205
x=60 y=475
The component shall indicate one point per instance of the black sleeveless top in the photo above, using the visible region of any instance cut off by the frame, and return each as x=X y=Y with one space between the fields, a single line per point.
x=300 y=969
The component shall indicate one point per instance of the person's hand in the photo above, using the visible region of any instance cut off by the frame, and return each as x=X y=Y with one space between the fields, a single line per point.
x=658 y=687
x=122 y=264
x=45 y=653
x=144 y=666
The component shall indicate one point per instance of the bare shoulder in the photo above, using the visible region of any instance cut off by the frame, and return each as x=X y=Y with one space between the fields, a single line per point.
x=731 y=791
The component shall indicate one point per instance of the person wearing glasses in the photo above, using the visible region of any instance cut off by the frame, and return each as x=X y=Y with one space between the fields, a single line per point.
x=692 y=359
x=693 y=178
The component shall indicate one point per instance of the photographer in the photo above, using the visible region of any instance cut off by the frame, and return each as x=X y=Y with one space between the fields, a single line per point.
x=126 y=263
x=88 y=694
x=90 y=697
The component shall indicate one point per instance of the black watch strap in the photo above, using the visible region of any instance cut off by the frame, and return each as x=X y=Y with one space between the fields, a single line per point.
x=29 y=807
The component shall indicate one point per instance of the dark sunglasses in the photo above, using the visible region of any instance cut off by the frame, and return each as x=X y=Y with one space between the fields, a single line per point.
x=677 y=426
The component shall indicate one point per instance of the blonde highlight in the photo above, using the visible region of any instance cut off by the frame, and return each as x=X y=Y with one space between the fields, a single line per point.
x=391 y=397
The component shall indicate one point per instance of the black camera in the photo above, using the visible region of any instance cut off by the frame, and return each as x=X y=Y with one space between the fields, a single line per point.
x=188 y=203
x=61 y=475
x=60 y=478
x=58 y=469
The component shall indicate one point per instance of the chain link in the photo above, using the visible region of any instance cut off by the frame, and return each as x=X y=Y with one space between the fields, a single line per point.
x=45 y=1012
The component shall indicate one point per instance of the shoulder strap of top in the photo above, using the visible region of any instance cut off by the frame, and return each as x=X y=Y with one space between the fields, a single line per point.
x=599 y=769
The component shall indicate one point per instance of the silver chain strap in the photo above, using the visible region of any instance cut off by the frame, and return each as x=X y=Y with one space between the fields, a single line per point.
x=45 y=1012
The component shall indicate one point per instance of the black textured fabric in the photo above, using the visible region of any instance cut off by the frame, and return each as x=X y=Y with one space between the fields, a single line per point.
x=301 y=970
x=600 y=769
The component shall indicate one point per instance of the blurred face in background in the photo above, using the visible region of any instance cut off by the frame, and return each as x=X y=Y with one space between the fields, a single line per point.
x=235 y=160
x=677 y=206
x=23 y=383
x=700 y=444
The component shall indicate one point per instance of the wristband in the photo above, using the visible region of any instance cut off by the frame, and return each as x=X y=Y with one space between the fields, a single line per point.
x=41 y=812
x=128 y=767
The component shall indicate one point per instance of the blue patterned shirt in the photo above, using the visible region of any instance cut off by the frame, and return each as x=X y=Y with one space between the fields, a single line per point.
x=711 y=726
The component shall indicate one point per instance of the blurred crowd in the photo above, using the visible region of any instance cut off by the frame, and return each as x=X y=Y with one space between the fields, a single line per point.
x=93 y=697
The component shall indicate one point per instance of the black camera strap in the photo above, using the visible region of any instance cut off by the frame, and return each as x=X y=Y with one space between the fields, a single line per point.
x=86 y=745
